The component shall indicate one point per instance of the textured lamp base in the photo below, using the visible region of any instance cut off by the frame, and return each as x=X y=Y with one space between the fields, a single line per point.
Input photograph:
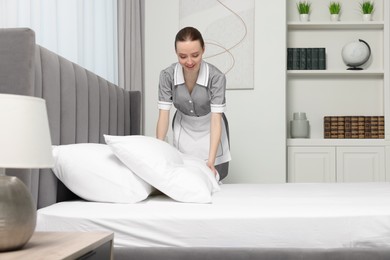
x=17 y=214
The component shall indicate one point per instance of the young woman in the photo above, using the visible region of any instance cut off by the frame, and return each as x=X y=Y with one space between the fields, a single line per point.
x=197 y=90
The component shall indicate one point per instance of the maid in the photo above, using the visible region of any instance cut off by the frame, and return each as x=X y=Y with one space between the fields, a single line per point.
x=197 y=90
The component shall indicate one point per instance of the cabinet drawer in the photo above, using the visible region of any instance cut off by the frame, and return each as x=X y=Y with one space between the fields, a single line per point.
x=360 y=164
x=311 y=164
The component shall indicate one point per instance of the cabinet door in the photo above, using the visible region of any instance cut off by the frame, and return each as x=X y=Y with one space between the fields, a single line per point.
x=311 y=164
x=360 y=164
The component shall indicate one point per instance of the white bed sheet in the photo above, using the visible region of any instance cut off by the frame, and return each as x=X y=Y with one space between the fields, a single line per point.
x=242 y=215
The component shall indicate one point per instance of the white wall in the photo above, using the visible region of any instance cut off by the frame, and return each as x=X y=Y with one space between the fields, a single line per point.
x=256 y=117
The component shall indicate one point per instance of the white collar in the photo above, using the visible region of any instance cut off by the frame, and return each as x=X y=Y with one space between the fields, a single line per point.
x=202 y=79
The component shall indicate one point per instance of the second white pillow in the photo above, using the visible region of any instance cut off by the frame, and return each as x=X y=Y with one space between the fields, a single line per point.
x=162 y=166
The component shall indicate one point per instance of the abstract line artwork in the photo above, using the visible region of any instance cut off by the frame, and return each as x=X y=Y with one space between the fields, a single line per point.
x=227 y=27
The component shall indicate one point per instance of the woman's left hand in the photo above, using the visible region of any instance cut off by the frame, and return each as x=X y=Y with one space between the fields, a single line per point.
x=212 y=168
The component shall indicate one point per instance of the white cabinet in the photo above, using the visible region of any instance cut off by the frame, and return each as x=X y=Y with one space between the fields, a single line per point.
x=311 y=164
x=336 y=164
x=359 y=164
x=337 y=91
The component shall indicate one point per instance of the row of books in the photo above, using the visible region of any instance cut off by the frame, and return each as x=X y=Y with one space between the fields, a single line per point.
x=359 y=127
x=306 y=58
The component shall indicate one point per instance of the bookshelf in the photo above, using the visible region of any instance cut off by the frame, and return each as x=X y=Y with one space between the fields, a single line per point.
x=336 y=91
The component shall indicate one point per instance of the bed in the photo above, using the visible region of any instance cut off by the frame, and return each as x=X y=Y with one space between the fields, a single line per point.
x=243 y=221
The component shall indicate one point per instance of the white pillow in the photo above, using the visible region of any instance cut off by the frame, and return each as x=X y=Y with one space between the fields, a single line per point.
x=164 y=167
x=94 y=173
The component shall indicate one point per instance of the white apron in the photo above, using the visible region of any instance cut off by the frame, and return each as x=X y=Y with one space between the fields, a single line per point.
x=191 y=135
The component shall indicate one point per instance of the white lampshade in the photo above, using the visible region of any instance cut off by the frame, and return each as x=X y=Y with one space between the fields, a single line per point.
x=24 y=143
x=24 y=133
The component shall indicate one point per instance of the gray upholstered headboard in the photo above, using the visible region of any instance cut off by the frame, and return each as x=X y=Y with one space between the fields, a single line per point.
x=81 y=105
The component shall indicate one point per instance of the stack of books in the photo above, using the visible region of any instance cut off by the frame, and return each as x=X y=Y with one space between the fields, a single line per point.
x=359 y=127
x=306 y=58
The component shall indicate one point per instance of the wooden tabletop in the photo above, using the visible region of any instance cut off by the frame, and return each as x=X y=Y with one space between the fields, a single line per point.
x=59 y=245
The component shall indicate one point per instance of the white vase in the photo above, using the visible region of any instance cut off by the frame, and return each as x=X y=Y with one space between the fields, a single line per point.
x=367 y=17
x=335 y=17
x=304 y=17
x=299 y=126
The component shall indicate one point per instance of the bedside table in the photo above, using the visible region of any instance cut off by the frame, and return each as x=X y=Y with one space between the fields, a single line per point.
x=65 y=245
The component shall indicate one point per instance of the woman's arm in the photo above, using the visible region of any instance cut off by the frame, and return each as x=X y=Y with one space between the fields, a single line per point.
x=162 y=124
x=215 y=138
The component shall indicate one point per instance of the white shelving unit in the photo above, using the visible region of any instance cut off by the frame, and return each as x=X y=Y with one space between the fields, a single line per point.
x=351 y=73
x=353 y=25
x=337 y=91
x=336 y=142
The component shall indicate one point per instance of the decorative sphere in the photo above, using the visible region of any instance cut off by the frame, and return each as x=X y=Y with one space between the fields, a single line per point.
x=356 y=53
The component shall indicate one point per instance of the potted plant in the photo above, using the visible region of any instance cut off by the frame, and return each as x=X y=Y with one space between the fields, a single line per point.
x=367 y=8
x=334 y=10
x=304 y=9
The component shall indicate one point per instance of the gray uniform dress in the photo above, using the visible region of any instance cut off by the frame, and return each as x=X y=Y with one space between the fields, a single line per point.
x=191 y=124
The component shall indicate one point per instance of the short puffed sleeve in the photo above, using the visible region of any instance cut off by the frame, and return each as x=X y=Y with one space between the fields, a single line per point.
x=165 y=90
x=217 y=91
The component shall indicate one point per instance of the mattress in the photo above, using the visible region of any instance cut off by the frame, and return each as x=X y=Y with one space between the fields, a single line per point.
x=288 y=215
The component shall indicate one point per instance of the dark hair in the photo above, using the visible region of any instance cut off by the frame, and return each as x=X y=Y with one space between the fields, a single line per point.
x=189 y=34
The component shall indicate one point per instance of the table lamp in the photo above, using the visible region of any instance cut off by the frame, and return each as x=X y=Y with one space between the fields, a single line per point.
x=24 y=143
